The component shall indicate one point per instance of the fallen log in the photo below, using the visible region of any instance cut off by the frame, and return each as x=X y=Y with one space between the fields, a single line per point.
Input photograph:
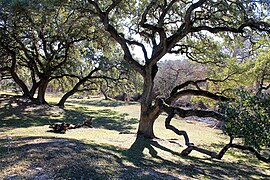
x=63 y=127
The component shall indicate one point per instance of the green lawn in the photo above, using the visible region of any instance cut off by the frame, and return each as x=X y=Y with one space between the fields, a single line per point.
x=110 y=150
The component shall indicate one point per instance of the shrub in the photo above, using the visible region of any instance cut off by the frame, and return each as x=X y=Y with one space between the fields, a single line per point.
x=248 y=117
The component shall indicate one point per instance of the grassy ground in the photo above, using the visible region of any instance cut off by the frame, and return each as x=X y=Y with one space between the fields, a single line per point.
x=110 y=150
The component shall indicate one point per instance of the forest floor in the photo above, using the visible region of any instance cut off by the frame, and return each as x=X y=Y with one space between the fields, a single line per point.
x=111 y=149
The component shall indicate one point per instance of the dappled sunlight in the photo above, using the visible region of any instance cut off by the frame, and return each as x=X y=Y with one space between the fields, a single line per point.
x=50 y=157
x=27 y=115
x=193 y=166
x=100 y=102
x=93 y=94
x=110 y=150
x=55 y=158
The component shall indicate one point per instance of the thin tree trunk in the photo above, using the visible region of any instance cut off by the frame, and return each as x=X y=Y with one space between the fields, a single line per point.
x=103 y=91
x=62 y=101
x=34 y=88
x=76 y=87
x=22 y=85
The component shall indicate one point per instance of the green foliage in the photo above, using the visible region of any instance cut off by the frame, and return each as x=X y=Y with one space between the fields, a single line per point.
x=245 y=59
x=248 y=117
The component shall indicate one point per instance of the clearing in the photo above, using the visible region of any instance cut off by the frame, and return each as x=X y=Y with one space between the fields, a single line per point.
x=110 y=150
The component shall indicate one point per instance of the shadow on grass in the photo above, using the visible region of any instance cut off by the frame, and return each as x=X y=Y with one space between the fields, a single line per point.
x=18 y=112
x=205 y=167
x=103 y=103
x=58 y=158
x=14 y=112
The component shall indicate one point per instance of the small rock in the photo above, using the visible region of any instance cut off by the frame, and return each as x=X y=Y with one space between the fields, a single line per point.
x=11 y=177
x=39 y=168
x=42 y=177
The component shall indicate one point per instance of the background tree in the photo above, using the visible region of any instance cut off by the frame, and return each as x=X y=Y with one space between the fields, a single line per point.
x=260 y=71
x=246 y=65
x=174 y=72
x=93 y=72
x=44 y=37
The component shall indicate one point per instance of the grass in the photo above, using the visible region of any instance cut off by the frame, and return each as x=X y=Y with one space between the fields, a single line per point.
x=111 y=150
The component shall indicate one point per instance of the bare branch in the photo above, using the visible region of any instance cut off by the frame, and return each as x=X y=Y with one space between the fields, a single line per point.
x=194 y=6
x=261 y=26
x=144 y=16
x=196 y=93
x=183 y=49
x=64 y=75
x=87 y=89
x=196 y=82
x=112 y=6
x=165 y=11
x=265 y=87
x=251 y=149
x=141 y=45
x=171 y=110
x=120 y=39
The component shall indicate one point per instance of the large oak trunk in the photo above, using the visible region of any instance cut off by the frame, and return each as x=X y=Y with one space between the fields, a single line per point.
x=42 y=90
x=149 y=112
x=146 y=124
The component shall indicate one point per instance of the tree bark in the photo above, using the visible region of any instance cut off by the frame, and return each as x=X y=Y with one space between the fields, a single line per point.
x=34 y=88
x=103 y=91
x=16 y=78
x=62 y=101
x=149 y=112
x=76 y=87
x=42 y=90
x=22 y=85
x=146 y=126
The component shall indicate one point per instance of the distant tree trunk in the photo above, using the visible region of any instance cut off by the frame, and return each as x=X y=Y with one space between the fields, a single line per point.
x=22 y=85
x=62 y=101
x=103 y=91
x=42 y=90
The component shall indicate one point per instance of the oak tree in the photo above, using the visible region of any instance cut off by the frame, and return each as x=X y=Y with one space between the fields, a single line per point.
x=159 y=27
x=42 y=37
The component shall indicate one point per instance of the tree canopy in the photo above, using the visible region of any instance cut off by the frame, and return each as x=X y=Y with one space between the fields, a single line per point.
x=48 y=40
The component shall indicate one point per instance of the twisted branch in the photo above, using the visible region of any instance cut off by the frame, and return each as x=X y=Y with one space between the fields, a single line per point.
x=171 y=111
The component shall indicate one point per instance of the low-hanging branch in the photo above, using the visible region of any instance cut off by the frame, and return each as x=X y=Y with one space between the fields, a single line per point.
x=196 y=83
x=172 y=111
x=222 y=152
x=195 y=92
x=180 y=90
